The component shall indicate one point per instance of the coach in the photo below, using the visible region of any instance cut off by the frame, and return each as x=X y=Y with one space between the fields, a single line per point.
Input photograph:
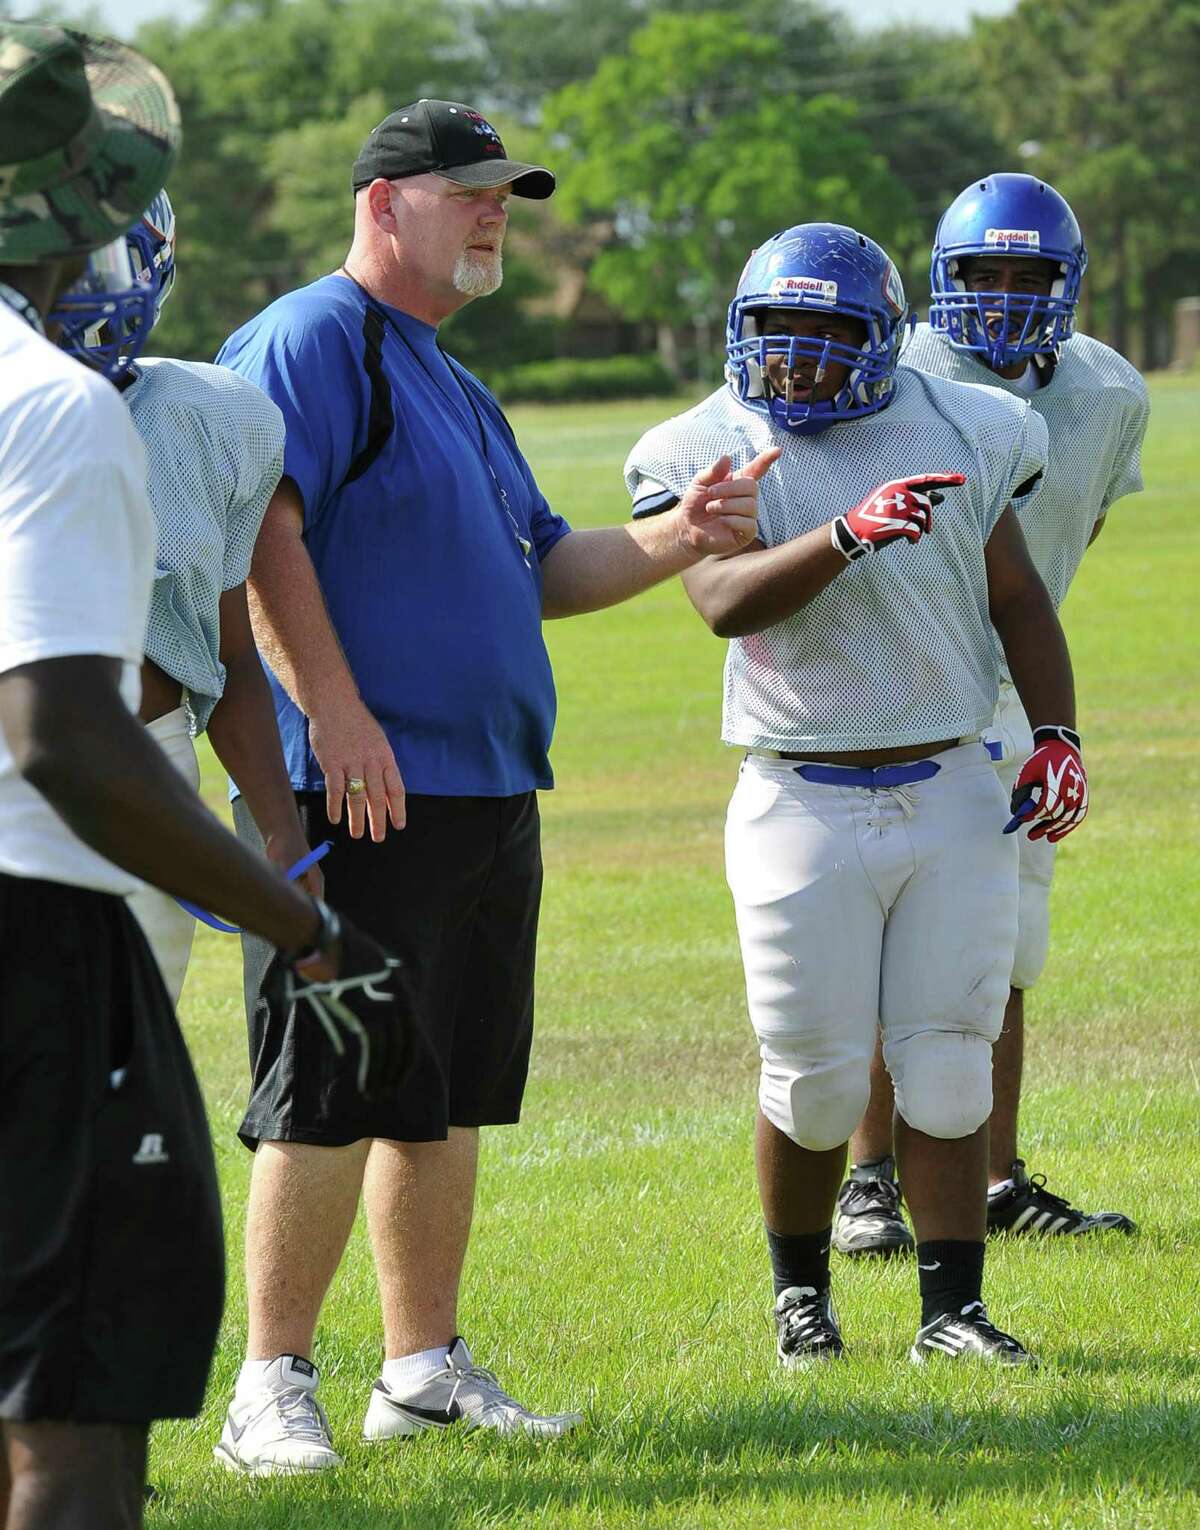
x=398 y=588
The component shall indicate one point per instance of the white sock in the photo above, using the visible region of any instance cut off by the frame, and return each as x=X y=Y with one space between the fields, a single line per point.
x=1005 y=1184
x=411 y=1370
x=251 y=1377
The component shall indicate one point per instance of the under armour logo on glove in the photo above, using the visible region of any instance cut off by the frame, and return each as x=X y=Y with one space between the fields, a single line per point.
x=1051 y=792
x=902 y=507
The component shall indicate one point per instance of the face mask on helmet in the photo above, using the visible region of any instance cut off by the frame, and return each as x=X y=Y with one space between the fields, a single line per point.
x=107 y=316
x=822 y=269
x=1007 y=215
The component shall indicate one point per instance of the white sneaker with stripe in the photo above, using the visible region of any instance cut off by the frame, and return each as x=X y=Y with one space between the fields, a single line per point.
x=280 y=1427
x=461 y=1392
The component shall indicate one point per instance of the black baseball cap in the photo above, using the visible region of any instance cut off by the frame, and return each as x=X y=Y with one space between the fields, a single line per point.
x=449 y=139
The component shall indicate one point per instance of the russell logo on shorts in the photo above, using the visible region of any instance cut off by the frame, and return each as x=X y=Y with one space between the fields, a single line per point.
x=151 y=1150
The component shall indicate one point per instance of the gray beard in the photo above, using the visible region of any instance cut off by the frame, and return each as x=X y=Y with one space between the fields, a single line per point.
x=476 y=274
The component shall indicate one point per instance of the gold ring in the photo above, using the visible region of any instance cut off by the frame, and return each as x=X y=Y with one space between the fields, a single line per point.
x=355 y=785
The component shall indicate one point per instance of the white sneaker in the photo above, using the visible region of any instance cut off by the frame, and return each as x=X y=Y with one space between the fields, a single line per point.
x=280 y=1427
x=462 y=1392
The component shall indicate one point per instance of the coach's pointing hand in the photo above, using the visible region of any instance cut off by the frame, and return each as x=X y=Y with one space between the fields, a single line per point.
x=719 y=513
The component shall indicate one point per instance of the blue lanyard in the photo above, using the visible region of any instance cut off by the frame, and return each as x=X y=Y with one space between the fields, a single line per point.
x=295 y=871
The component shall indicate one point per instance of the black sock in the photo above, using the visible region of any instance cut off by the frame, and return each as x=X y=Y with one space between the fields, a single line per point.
x=800 y=1259
x=951 y=1274
x=874 y=1168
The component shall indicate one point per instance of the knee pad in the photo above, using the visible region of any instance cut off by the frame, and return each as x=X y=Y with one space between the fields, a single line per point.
x=943 y=1081
x=817 y=1107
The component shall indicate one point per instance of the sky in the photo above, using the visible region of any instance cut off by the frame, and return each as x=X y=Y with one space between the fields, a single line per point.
x=123 y=16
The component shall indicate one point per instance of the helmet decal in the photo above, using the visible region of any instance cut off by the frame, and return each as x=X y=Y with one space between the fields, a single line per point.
x=893 y=289
x=818 y=290
x=1018 y=238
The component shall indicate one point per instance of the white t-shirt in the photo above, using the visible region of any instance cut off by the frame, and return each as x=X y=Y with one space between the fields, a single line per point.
x=76 y=564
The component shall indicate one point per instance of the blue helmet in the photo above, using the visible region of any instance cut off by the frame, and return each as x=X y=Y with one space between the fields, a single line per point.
x=823 y=268
x=1006 y=215
x=106 y=317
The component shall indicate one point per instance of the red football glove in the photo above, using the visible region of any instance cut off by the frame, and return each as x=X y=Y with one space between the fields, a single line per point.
x=1055 y=770
x=901 y=508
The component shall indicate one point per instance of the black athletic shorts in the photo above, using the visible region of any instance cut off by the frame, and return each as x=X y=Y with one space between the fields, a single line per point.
x=455 y=894
x=112 y=1260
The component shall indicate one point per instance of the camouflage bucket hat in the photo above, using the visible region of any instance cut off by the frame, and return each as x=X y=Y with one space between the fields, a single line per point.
x=88 y=133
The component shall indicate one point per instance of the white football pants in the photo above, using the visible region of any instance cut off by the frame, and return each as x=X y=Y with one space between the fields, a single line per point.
x=863 y=909
x=1010 y=729
x=167 y=927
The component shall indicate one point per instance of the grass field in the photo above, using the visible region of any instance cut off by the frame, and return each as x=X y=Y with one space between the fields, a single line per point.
x=618 y=1263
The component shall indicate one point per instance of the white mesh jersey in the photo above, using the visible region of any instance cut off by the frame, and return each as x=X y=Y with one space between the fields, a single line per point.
x=898 y=649
x=1095 y=408
x=214 y=454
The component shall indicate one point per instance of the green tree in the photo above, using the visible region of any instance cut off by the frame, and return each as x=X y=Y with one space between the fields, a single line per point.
x=696 y=150
x=283 y=91
x=531 y=48
x=1114 y=124
x=929 y=129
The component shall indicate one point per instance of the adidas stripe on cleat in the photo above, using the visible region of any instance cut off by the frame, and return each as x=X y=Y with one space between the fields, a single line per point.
x=806 y=1328
x=1026 y=1206
x=968 y=1334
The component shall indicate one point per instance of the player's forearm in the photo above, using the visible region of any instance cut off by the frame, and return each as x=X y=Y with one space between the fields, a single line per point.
x=75 y=742
x=245 y=738
x=753 y=590
x=1035 y=649
x=292 y=626
x=588 y=570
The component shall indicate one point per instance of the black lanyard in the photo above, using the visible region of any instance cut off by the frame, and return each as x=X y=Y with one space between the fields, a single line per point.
x=523 y=543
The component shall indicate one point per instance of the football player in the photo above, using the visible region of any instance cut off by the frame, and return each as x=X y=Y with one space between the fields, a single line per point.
x=111 y=1248
x=214 y=453
x=873 y=883
x=1008 y=263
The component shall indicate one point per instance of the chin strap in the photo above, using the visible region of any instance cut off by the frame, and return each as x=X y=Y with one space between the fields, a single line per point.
x=21 y=305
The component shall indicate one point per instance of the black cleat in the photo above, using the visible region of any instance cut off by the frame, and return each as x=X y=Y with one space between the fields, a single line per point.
x=806 y=1328
x=968 y=1333
x=869 y=1219
x=1028 y=1207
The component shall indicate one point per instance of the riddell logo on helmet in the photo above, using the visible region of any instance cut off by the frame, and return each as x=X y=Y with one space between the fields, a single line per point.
x=806 y=286
x=1023 y=238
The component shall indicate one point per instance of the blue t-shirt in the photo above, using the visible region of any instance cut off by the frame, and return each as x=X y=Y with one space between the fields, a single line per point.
x=430 y=558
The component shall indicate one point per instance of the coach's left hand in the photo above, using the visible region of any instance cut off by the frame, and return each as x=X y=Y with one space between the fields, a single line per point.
x=718 y=512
